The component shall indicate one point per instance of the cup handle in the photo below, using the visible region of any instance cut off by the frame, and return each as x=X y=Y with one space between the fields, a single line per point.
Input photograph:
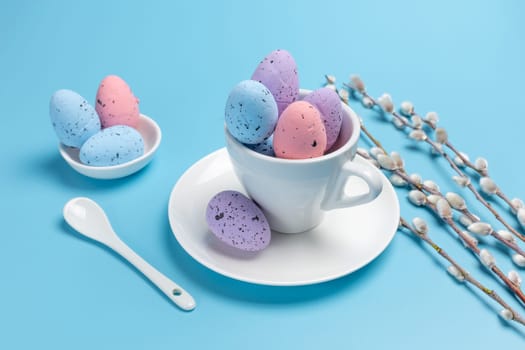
x=337 y=198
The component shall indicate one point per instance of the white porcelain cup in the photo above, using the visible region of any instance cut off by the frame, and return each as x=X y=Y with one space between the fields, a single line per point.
x=294 y=194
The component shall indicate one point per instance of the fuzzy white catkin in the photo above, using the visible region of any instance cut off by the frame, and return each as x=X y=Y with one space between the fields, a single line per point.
x=396 y=157
x=516 y=205
x=375 y=151
x=357 y=83
x=469 y=239
x=397 y=180
x=481 y=164
x=456 y=201
x=344 y=95
x=488 y=185
x=506 y=314
x=453 y=270
x=407 y=108
x=431 y=184
x=398 y=123
x=506 y=235
x=367 y=102
x=331 y=87
x=432 y=118
x=459 y=162
x=417 y=122
x=514 y=277
x=330 y=79
x=465 y=221
x=443 y=208
x=386 y=162
x=433 y=198
x=519 y=260
x=480 y=228
x=420 y=225
x=462 y=181
x=418 y=135
x=417 y=197
x=441 y=135
x=385 y=101
x=486 y=258
x=416 y=178
x=363 y=152
x=521 y=216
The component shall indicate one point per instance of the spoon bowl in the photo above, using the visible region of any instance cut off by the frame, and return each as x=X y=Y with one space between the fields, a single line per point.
x=90 y=220
x=151 y=135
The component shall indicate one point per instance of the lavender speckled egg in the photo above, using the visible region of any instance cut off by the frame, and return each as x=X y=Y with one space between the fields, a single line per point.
x=238 y=221
x=265 y=147
x=278 y=72
x=328 y=103
x=300 y=132
x=112 y=146
x=250 y=112
x=74 y=120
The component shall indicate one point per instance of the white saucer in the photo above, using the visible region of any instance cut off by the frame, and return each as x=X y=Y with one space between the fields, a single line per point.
x=345 y=241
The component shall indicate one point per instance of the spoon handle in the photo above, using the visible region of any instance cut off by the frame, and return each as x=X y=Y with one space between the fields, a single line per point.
x=172 y=290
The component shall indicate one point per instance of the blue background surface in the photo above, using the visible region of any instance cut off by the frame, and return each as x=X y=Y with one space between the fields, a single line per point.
x=465 y=60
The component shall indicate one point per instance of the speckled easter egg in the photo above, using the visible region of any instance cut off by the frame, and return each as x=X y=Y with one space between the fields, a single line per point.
x=278 y=72
x=265 y=147
x=300 y=132
x=250 y=112
x=238 y=221
x=74 y=120
x=112 y=146
x=116 y=104
x=329 y=105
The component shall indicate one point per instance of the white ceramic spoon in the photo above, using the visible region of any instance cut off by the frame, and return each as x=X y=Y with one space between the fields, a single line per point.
x=89 y=219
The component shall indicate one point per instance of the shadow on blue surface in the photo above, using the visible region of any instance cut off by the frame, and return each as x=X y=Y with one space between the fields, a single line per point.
x=493 y=307
x=261 y=294
x=54 y=167
x=68 y=230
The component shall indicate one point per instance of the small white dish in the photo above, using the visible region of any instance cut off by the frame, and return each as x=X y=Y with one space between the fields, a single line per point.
x=151 y=134
x=346 y=240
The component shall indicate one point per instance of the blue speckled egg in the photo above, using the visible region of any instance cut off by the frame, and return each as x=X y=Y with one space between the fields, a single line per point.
x=237 y=221
x=73 y=119
x=111 y=146
x=265 y=147
x=250 y=112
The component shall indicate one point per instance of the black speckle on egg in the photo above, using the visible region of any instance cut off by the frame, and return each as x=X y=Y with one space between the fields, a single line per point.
x=244 y=222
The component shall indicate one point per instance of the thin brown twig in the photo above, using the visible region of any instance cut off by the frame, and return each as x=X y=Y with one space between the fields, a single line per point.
x=467 y=276
x=401 y=172
x=465 y=239
x=453 y=165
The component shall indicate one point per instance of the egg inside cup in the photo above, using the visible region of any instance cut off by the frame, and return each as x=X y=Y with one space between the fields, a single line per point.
x=151 y=134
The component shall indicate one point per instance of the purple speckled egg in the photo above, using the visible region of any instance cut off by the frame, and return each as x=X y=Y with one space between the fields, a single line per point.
x=328 y=103
x=278 y=72
x=237 y=221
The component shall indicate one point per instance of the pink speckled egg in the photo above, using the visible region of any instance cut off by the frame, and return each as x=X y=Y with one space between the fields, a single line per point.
x=300 y=132
x=237 y=221
x=116 y=104
x=329 y=105
x=278 y=72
